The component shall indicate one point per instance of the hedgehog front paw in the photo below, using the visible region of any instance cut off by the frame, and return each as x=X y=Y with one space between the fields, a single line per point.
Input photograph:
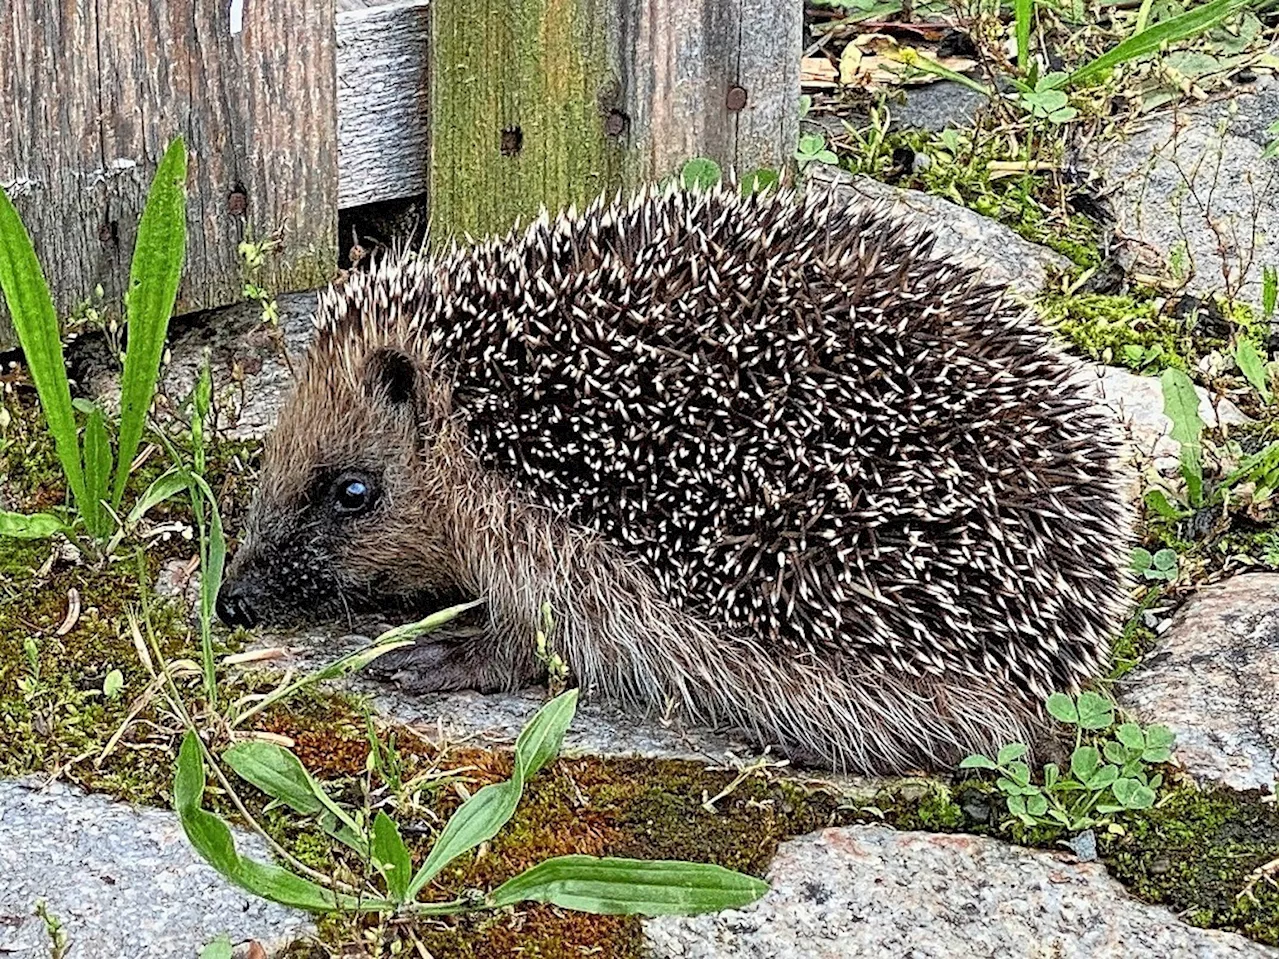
x=445 y=661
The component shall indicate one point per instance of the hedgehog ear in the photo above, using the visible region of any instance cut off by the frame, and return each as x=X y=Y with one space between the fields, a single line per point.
x=392 y=374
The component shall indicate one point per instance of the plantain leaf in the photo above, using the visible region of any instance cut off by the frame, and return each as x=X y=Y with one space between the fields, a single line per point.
x=36 y=322
x=1022 y=31
x=30 y=525
x=1182 y=406
x=480 y=817
x=1252 y=366
x=166 y=485
x=624 y=887
x=391 y=856
x=154 y=275
x=540 y=741
x=278 y=773
x=212 y=839
x=281 y=775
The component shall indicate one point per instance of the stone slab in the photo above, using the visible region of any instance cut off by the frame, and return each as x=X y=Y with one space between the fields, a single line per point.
x=870 y=891
x=999 y=253
x=1194 y=179
x=1212 y=680
x=122 y=880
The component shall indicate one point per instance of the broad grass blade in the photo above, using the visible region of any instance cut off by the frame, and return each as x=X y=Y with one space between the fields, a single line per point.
x=153 y=287
x=624 y=887
x=36 y=322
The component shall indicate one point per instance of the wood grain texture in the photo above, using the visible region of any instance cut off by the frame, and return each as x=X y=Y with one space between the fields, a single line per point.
x=92 y=92
x=514 y=115
x=384 y=103
x=604 y=94
x=679 y=61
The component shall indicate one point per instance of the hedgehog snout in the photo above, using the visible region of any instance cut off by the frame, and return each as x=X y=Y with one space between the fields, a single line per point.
x=235 y=605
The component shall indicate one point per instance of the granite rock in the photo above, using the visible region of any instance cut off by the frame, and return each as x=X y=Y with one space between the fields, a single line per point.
x=122 y=880
x=873 y=891
x=1212 y=679
x=1000 y=254
x=1191 y=184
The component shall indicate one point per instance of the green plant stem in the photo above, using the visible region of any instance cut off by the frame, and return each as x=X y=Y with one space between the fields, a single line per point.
x=174 y=697
x=937 y=69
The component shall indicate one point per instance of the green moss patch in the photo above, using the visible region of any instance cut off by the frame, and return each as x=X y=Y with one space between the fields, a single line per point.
x=1198 y=853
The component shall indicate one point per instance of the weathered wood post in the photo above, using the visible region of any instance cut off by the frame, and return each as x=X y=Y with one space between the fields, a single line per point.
x=555 y=101
x=90 y=94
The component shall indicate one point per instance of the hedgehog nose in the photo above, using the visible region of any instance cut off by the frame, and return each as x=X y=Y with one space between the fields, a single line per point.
x=234 y=607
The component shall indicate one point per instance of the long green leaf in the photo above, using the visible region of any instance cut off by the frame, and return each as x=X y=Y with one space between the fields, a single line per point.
x=1022 y=30
x=1182 y=406
x=30 y=525
x=212 y=839
x=631 y=887
x=281 y=775
x=479 y=818
x=153 y=287
x=36 y=323
x=277 y=772
x=540 y=741
x=166 y=485
x=1252 y=366
x=391 y=856
x=1154 y=37
x=97 y=473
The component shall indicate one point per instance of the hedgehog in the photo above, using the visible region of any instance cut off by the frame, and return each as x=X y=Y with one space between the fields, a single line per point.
x=768 y=460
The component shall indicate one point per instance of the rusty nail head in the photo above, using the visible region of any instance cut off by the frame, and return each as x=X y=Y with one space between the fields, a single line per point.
x=736 y=98
x=615 y=124
x=511 y=142
x=237 y=202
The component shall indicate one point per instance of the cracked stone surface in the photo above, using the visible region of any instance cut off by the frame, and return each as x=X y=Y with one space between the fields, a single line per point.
x=123 y=881
x=1195 y=179
x=1001 y=255
x=1212 y=680
x=872 y=891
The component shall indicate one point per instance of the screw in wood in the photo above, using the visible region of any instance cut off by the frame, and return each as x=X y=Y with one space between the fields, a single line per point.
x=615 y=124
x=736 y=98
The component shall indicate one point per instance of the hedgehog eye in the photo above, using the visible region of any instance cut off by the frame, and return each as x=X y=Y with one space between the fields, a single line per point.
x=352 y=495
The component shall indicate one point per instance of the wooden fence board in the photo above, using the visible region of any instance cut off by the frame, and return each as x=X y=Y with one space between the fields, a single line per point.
x=554 y=101
x=515 y=120
x=519 y=103
x=92 y=92
x=383 y=102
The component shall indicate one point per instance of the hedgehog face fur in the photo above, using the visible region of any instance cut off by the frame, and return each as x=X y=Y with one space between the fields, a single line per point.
x=768 y=460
